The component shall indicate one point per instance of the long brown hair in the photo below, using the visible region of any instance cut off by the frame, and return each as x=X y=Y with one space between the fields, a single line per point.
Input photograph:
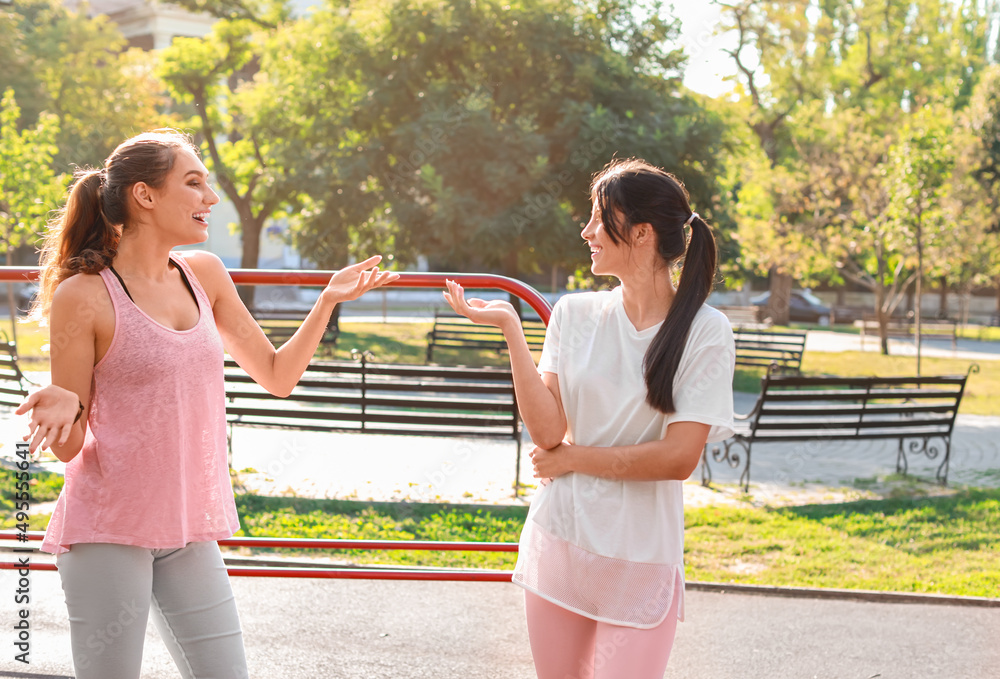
x=83 y=238
x=644 y=194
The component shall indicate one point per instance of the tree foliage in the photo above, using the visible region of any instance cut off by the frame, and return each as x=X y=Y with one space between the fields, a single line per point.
x=469 y=131
x=66 y=64
x=217 y=77
x=826 y=89
x=29 y=188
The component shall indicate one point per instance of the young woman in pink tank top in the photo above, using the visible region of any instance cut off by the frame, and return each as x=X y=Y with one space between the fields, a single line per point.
x=136 y=407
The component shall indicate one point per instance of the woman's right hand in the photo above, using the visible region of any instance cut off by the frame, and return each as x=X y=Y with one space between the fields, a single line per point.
x=53 y=413
x=496 y=312
x=356 y=279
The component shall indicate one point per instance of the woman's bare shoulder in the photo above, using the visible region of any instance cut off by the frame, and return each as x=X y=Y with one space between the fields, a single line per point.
x=82 y=297
x=202 y=261
x=79 y=285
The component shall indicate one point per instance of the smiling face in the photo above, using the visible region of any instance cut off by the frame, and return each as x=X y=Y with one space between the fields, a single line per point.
x=607 y=258
x=180 y=206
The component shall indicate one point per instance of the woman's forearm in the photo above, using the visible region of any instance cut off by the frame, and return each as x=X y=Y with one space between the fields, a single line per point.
x=674 y=457
x=74 y=444
x=293 y=357
x=540 y=410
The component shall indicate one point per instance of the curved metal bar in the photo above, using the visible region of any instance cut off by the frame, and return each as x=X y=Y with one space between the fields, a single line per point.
x=727 y=455
x=320 y=277
x=922 y=446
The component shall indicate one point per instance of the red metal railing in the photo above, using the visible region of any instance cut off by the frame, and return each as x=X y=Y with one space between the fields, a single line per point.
x=343 y=573
x=319 y=278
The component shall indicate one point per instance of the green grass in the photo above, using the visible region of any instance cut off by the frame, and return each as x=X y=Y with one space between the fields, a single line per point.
x=405 y=343
x=32 y=344
x=982 y=392
x=343 y=519
x=944 y=545
x=987 y=334
x=941 y=544
x=43 y=487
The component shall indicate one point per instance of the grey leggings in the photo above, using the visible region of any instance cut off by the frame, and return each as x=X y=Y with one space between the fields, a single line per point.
x=109 y=592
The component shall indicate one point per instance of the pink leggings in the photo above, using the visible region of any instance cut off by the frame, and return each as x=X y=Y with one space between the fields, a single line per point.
x=566 y=645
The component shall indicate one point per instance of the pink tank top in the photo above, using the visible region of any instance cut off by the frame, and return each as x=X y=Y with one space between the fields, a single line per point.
x=153 y=470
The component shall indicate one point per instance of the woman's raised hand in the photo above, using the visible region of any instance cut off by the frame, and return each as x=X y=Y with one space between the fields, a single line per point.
x=495 y=312
x=355 y=280
x=53 y=413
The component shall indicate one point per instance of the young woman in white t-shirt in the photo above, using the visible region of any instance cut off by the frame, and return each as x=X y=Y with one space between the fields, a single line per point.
x=631 y=384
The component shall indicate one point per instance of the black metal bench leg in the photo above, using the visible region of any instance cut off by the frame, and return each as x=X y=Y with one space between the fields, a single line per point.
x=706 y=471
x=902 y=465
x=745 y=476
x=942 y=471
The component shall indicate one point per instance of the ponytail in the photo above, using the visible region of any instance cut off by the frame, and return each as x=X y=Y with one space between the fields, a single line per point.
x=664 y=353
x=79 y=240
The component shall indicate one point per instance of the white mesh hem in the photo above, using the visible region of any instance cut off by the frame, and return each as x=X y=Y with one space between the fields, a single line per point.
x=606 y=589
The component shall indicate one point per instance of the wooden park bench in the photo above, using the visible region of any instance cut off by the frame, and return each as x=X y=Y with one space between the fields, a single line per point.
x=455 y=332
x=280 y=325
x=13 y=383
x=906 y=327
x=764 y=348
x=913 y=410
x=744 y=316
x=380 y=398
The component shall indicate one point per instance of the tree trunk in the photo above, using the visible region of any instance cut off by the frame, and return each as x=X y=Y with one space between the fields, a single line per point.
x=250 y=240
x=943 y=299
x=781 y=293
x=919 y=292
x=882 y=318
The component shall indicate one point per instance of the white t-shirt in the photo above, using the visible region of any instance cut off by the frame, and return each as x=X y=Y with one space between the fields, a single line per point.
x=608 y=549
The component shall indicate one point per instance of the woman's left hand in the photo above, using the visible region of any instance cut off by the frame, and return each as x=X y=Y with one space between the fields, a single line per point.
x=548 y=464
x=355 y=280
x=54 y=411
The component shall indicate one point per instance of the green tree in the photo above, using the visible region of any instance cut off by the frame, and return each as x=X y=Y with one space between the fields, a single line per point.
x=921 y=165
x=77 y=68
x=470 y=131
x=29 y=188
x=980 y=159
x=800 y=63
x=217 y=76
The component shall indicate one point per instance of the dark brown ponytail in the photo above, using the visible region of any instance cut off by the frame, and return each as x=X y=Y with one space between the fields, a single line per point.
x=84 y=237
x=634 y=192
x=665 y=351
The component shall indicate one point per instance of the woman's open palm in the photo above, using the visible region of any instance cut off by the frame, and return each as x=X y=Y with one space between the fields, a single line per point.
x=355 y=280
x=495 y=312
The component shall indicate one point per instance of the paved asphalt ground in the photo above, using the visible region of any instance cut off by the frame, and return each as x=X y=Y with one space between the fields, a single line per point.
x=312 y=629
x=306 y=629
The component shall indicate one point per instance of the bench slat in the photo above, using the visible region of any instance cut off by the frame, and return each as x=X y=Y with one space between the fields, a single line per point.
x=261 y=415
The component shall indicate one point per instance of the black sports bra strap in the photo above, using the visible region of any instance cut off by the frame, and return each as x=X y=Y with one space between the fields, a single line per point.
x=187 y=283
x=124 y=287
